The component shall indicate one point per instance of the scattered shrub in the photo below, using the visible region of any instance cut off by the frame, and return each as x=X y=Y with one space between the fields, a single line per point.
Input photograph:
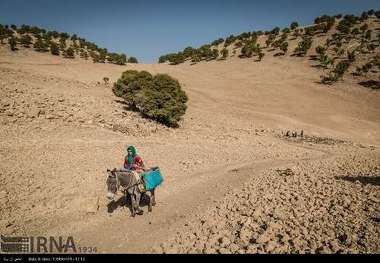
x=133 y=60
x=377 y=14
x=275 y=31
x=294 y=25
x=83 y=54
x=158 y=97
x=224 y=53
x=351 y=56
x=261 y=55
x=188 y=52
x=250 y=49
x=114 y=58
x=54 y=49
x=12 y=43
x=26 y=40
x=303 y=46
x=346 y=23
x=368 y=35
x=355 y=31
x=217 y=42
x=364 y=16
x=229 y=40
x=69 y=53
x=337 y=72
x=270 y=39
x=41 y=46
x=284 y=47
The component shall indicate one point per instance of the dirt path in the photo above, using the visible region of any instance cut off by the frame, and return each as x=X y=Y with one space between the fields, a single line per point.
x=191 y=196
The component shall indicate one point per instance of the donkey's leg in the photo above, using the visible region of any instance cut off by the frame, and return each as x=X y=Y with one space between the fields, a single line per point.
x=138 y=198
x=149 y=194
x=153 y=198
x=133 y=203
x=125 y=198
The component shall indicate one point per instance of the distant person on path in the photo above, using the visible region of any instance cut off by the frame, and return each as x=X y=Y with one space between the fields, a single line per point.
x=133 y=161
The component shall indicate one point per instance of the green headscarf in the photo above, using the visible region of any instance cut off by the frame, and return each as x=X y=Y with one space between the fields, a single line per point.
x=131 y=158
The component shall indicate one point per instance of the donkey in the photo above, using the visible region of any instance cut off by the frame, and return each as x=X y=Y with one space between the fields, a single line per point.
x=130 y=184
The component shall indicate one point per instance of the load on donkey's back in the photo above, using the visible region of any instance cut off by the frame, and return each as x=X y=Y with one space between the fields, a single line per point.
x=134 y=179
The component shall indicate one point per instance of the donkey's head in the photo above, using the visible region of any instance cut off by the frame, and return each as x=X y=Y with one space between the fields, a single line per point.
x=111 y=184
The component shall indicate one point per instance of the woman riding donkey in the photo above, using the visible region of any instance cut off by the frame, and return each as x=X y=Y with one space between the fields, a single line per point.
x=133 y=162
x=130 y=177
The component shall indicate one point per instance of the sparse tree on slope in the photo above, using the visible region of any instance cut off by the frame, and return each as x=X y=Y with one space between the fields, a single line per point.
x=26 y=40
x=133 y=60
x=294 y=25
x=54 y=49
x=12 y=43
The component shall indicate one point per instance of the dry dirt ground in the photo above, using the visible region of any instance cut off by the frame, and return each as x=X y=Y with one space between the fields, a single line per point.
x=233 y=183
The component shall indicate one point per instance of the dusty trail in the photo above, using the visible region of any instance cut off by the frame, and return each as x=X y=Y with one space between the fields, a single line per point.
x=192 y=195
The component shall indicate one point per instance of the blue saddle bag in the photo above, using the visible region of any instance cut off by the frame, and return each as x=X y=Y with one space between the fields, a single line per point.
x=152 y=178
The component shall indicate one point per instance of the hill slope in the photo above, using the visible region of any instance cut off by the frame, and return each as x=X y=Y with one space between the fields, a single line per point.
x=55 y=147
x=341 y=47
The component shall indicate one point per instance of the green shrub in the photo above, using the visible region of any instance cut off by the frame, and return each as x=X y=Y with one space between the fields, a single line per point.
x=188 y=52
x=244 y=35
x=284 y=47
x=320 y=50
x=341 y=68
x=217 y=42
x=54 y=49
x=195 y=58
x=229 y=40
x=261 y=55
x=41 y=46
x=12 y=43
x=114 y=58
x=346 y=23
x=270 y=39
x=130 y=83
x=69 y=53
x=303 y=46
x=158 y=97
x=330 y=78
x=377 y=13
x=215 y=53
x=364 y=16
x=371 y=12
x=132 y=60
x=351 y=56
x=294 y=25
x=368 y=35
x=275 y=31
x=249 y=49
x=62 y=44
x=355 y=31
x=83 y=54
x=224 y=53
x=26 y=40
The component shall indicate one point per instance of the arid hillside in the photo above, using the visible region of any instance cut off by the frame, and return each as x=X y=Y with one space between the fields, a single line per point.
x=62 y=127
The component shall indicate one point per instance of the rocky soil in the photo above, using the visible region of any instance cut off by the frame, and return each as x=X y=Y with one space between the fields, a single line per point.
x=36 y=99
x=324 y=206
